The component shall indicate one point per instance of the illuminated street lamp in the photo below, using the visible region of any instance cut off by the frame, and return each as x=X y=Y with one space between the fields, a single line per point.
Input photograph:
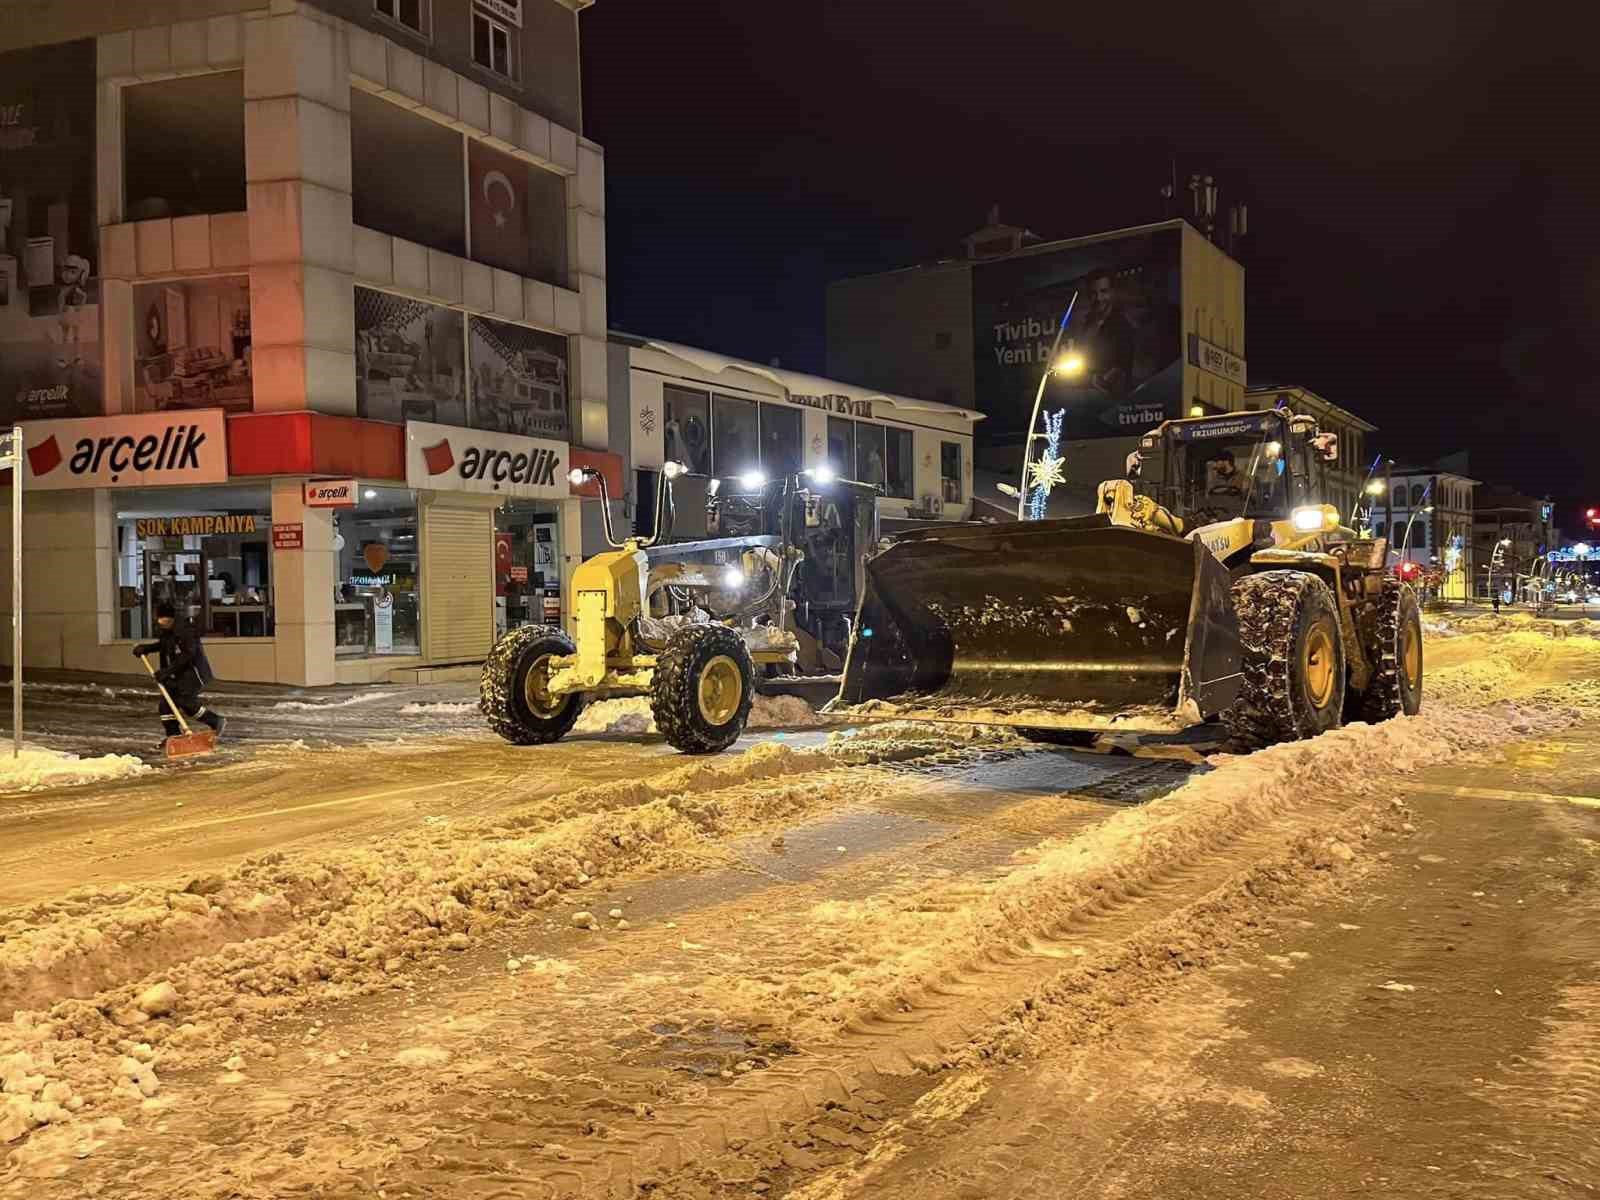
x=1070 y=363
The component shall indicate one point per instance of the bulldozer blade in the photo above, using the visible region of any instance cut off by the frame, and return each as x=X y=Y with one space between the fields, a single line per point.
x=1076 y=624
x=188 y=745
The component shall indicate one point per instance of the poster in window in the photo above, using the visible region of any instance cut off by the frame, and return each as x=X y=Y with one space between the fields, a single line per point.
x=192 y=344
x=519 y=379
x=410 y=362
x=50 y=361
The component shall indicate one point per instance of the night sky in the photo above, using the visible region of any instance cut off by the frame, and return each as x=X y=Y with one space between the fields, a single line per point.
x=1421 y=176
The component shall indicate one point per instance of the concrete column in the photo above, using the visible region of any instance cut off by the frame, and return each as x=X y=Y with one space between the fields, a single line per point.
x=569 y=524
x=67 y=594
x=586 y=259
x=297 y=174
x=302 y=587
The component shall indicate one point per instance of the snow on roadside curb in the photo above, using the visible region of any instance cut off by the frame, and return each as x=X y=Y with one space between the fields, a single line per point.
x=37 y=768
x=318 y=706
x=632 y=715
x=450 y=707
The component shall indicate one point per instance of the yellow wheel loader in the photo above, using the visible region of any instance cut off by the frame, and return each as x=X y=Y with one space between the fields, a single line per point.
x=1213 y=582
x=685 y=623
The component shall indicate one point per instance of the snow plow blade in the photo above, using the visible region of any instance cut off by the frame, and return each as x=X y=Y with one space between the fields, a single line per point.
x=1066 y=624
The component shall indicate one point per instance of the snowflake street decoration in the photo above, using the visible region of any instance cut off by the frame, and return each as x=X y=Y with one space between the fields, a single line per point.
x=1047 y=472
x=647 y=419
x=1049 y=469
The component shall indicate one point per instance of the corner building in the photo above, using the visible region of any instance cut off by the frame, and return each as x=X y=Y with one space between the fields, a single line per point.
x=303 y=311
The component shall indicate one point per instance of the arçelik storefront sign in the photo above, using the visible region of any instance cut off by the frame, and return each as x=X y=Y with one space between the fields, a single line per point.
x=449 y=458
x=138 y=451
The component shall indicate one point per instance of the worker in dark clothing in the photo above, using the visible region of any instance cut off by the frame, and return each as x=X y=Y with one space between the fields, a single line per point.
x=184 y=670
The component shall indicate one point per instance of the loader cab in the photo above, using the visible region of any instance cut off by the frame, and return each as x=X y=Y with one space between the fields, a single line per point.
x=1220 y=468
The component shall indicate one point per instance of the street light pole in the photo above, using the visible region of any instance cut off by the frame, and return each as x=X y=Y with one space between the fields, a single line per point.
x=1038 y=400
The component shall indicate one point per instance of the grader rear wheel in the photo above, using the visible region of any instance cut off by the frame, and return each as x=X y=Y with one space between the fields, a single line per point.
x=1293 y=659
x=703 y=689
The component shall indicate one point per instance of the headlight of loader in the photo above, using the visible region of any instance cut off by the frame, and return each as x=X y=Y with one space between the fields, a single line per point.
x=1309 y=519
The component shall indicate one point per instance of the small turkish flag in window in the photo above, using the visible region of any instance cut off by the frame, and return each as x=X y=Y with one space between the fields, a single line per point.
x=499 y=199
x=45 y=457
x=438 y=457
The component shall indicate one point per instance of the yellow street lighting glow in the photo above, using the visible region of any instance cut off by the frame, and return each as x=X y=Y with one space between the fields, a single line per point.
x=1070 y=363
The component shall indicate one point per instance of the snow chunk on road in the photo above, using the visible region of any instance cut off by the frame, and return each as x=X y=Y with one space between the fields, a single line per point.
x=37 y=768
x=451 y=707
x=632 y=715
x=422 y=1056
x=310 y=706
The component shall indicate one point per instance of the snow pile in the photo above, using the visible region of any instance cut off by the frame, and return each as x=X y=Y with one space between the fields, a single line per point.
x=632 y=715
x=443 y=707
x=37 y=768
x=878 y=954
x=308 y=706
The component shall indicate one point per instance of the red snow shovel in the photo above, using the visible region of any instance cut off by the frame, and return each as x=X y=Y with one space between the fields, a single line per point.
x=190 y=742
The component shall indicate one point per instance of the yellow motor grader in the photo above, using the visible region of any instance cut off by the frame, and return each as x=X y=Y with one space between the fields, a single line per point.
x=1214 y=582
x=685 y=623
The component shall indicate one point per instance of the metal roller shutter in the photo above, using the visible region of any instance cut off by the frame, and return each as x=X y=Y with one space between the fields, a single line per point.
x=458 y=583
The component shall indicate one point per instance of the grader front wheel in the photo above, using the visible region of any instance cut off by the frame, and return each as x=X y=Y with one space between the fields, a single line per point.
x=513 y=691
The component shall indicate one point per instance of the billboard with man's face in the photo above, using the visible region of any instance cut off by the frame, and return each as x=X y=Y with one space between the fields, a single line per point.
x=1125 y=331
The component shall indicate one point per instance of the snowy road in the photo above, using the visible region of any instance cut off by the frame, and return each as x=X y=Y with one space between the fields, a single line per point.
x=896 y=962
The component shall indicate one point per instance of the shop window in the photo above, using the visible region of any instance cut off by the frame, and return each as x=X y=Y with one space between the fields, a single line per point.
x=841 y=445
x=183 y=146
x=406 y=175
x=735 y=440
x=900 y=463
x=870 y=454
x=192 y=344
x=950 y=472
x=519 y=379
x=519 y=215
x=686 y=435
x=377 y=610
x=780 y=440
x=410 y=13
x=493 y=46
x=206 y=551
x=410 y=360
x=527 y=558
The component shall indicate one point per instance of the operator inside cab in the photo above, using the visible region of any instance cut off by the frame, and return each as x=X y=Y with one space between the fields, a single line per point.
x=1222 y=475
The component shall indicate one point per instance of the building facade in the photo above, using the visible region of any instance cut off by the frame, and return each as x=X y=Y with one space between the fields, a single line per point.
x=303 y=310
x=723 y=416
x=1427 y=515
x=1157 y=329
x=1510 y=532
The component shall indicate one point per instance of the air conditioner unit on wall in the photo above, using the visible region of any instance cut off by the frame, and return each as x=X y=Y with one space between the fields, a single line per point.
x=931 y=504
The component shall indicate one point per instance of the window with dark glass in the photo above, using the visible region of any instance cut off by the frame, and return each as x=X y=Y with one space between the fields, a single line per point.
x=404 y=12
x=735 y=436
x=950 y=472
x=870 y=454
x=406 y=175
x=1416 y=493
x=841 y=445
x=491 y=46
x=686 y=428
x=780 y=440
x=900 y=464
x=183 y=146
x=1399 y=495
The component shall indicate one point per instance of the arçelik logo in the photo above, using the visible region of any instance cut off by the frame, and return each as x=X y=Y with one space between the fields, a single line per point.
x=45 y=457
x=438 y=457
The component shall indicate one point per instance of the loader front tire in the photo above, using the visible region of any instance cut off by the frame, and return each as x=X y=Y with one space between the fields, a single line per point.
x=1292 y=659
x=512 y=694
x=1396 y=686
x=703 y=688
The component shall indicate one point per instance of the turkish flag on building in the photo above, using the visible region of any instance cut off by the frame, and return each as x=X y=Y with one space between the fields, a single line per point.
x=499 y=213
